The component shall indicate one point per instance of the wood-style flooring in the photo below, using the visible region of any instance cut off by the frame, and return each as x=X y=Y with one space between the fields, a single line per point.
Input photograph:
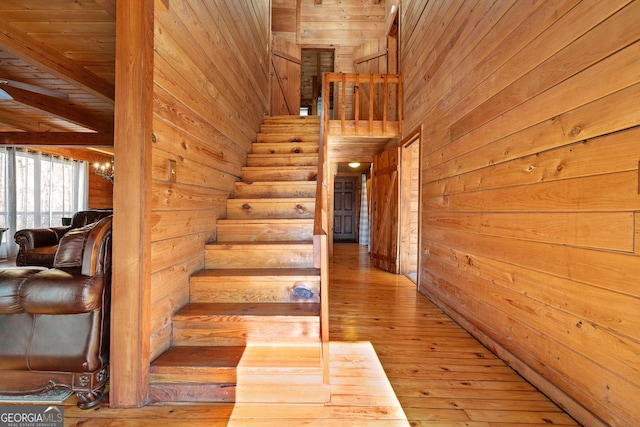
x=440 y=374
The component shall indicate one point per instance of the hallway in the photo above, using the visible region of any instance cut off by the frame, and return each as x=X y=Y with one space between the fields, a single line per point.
x=441 y=375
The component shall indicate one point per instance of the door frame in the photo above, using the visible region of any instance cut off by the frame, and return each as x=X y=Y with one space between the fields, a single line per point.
x=413 y=137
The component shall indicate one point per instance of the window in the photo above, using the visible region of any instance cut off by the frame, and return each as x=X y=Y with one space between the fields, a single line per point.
x=37 y=190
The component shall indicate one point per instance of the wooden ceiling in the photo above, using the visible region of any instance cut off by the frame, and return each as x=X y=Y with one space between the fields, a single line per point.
x=57 y=62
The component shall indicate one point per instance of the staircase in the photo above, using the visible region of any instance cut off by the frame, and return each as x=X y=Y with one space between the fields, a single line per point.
x=251 y=332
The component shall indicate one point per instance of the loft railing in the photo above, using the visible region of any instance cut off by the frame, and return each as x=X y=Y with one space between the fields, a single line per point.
x=364 y=105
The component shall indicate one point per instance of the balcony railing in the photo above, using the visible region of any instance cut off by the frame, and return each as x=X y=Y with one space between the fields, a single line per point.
x=362 y=105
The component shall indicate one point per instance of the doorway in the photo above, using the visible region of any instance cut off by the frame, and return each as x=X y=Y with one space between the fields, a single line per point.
x=345 y=212
x=410 y=206
x=314 y=62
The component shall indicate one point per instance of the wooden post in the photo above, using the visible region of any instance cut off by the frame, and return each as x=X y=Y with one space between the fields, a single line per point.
x=344 y=102
x=131 y=202
x=356 y=104
x=371 y=83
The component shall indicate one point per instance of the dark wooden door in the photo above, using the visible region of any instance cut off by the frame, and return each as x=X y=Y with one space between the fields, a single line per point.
x=344 y=210
x=384 y=212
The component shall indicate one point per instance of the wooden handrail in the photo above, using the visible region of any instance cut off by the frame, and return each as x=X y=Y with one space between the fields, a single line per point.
x=320 y=239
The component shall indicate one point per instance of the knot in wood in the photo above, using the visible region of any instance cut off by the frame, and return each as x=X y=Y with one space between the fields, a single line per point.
x=246 y=206
x=575 y=131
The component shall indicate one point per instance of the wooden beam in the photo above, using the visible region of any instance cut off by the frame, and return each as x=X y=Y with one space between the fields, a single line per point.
x=60 y=108
x=21 y=45
x=57 y=139
x=131 y=270
x=8 y=119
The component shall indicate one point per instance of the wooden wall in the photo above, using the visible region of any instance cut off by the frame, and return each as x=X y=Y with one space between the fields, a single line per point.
x=531 y=203
x=343 y=24
x=210 y=94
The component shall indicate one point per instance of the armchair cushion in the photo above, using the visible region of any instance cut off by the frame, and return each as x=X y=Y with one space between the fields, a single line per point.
x=11 y=279
x=69 y=251
x=61 y=291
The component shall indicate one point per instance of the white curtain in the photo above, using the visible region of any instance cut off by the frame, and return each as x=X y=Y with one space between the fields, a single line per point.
x=364 y=214
x=37 y=191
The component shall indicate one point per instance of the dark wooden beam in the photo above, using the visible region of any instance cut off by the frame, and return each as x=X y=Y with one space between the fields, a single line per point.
x=57 y=139
x=21 y=45
x=60 y=108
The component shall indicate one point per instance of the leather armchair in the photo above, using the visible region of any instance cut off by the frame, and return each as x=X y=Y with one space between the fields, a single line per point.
x=54 y=323
x=37 y=246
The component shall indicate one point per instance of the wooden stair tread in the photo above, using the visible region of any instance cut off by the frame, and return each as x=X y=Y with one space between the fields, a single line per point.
x=292 y=168
x=262 y=272
x=282 y=155
x=281 y=244
x=249 y=309
x=295 y=117
x=198 y=357
x=288 y=221
x=273 y=183
x=274 y=199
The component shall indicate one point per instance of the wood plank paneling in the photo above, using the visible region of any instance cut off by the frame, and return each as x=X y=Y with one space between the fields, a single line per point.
x=210 y=94
x=530 y=187
x=344 y=24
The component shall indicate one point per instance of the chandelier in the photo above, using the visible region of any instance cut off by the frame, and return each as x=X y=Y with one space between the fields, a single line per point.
x=105 y=170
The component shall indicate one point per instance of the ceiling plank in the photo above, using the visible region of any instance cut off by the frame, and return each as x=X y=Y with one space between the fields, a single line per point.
x=40 y=56
x=60 y=108
x=58 y=139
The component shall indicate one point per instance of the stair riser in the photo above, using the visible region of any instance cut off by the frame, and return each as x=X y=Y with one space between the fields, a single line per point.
x=264 y=232
x=300 y=389
x=300 y=173
x=251 y=289
x=231 y=332
x=177 y=375
x=282 y=160
x=285 y=148
x=257 y=190
x=304 y=129
x=292 y=119
x=287 y=137
x=258 y=257
x=269 y=208
x=220 y=393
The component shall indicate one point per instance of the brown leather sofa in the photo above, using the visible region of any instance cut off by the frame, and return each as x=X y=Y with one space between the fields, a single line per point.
x=54 y=322
x=38 y=245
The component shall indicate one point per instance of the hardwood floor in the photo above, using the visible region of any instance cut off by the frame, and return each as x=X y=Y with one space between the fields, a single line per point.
x=440 y=374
